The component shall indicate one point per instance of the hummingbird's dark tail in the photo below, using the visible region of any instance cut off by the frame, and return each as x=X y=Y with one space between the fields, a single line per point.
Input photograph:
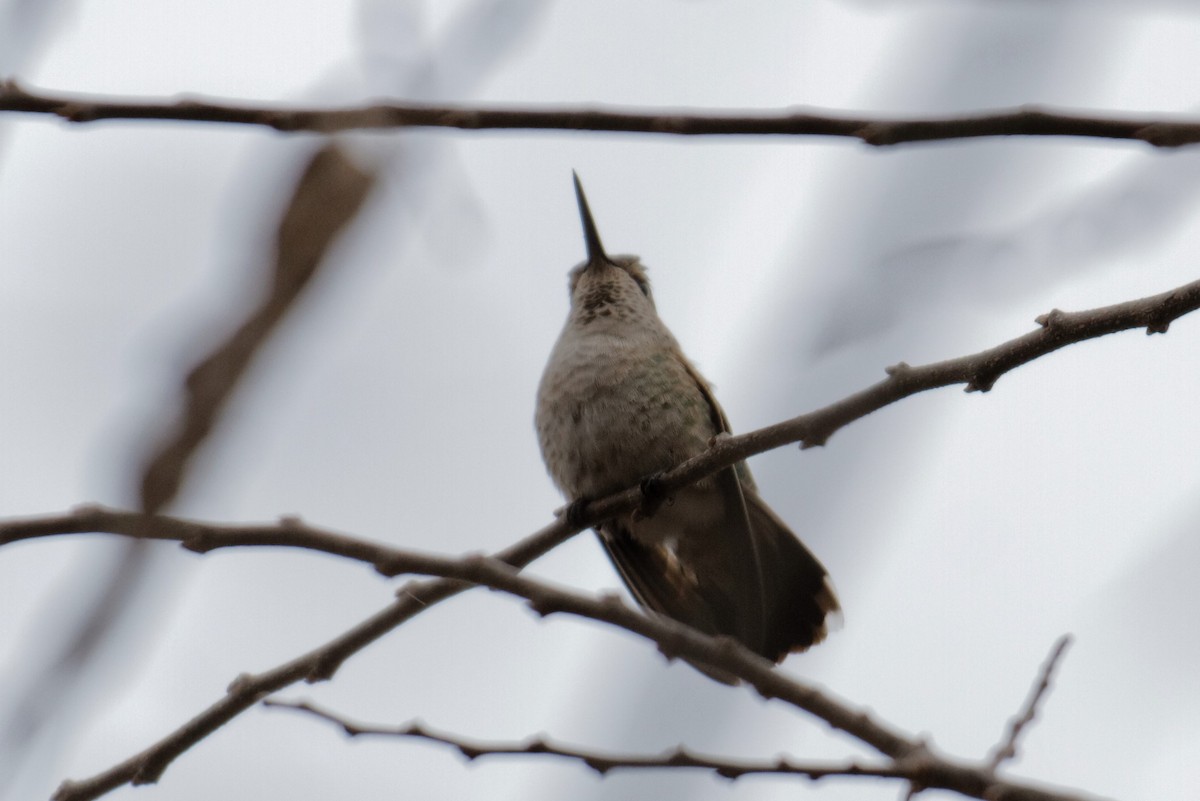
x=798 y=596
x=747 y=576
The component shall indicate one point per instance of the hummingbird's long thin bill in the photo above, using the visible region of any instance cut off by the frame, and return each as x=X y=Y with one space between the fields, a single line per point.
x=595 y=250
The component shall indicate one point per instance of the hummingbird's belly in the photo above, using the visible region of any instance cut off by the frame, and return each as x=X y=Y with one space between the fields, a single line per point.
x=609 y=417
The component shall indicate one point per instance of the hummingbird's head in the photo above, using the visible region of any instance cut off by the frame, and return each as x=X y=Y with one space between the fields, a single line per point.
x=605 y=285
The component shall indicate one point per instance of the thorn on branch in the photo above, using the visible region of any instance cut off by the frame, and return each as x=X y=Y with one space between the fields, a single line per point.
x=541 y=608
x=1051 y=319
x=681 y=758
x=1160 y=319
x=602 y=767
x=813 y=440
x=982 y=382
x=239 y=684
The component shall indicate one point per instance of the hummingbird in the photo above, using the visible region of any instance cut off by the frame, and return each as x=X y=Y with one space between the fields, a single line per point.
x=619 y=404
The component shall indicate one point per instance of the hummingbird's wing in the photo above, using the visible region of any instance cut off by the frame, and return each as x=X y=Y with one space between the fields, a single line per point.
x=796 y=595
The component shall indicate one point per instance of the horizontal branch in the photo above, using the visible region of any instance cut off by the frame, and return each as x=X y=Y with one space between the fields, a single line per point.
x=1158 y=131
x=602 y=763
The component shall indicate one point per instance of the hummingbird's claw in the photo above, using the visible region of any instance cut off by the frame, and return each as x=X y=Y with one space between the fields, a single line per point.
x=718 y=437
x=653 y=496
x=576 y=512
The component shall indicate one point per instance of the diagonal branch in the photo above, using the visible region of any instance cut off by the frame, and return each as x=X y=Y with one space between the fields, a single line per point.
x=1007 y=748
x=911 y=759
x=978 y=372
x=1021 y=121
x=318 y=664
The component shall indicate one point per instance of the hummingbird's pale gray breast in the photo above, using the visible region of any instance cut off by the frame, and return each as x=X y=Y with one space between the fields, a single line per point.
x=618 y=403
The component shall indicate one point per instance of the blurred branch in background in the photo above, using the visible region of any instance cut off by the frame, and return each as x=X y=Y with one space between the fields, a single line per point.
x=328 y=195
x=1023 y=121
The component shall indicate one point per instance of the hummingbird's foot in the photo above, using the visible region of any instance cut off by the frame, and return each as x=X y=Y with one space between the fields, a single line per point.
x=576 y=511
x=653 y=496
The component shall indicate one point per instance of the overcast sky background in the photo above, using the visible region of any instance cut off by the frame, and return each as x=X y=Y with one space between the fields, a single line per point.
x=965 y=532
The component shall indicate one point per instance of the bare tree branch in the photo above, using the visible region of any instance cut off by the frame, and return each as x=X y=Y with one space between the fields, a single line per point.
x=602 y=763
x=1021 y=121
x=979 y=372
x=912 y=759
x=318 y=664
x=1007 y=748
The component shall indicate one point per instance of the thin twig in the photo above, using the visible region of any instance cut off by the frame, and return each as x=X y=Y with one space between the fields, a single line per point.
x=1159 y=131
x=1007 y=748
x=602 y=763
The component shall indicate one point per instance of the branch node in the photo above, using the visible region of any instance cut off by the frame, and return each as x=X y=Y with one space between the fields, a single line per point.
x=1051 y=319
x=239 y=685
x=1167 y=134
x=877 y=134
x=813 y=440
x=601 y=767
x=1160 y=319
x=898 y=370
x=68 y=789
x=982 y=382
x=76 y=112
